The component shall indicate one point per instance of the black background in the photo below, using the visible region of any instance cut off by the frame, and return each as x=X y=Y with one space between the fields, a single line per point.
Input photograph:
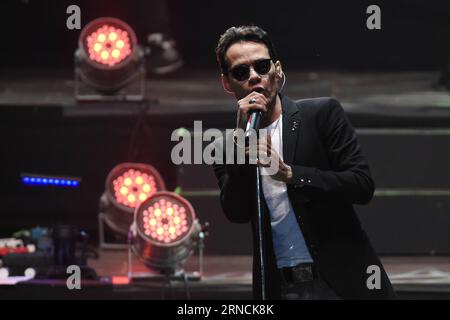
x=309 y=34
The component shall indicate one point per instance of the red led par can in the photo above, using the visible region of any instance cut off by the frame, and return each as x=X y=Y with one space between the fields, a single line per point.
x=165 y=230
x=108 y=54
x=126 y=187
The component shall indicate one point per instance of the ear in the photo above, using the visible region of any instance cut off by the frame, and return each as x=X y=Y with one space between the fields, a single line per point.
x=278 y=70
x=226 y=84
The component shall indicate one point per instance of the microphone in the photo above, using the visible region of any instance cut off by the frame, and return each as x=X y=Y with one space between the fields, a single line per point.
x=254 y=120
x=254 y=117
x=253 y=123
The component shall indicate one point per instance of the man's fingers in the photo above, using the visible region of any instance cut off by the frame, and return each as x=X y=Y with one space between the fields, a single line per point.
x=254 y=101
x=258 y=96
x=247 y=107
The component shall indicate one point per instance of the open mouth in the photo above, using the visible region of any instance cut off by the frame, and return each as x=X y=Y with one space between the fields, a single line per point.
x=259 y=89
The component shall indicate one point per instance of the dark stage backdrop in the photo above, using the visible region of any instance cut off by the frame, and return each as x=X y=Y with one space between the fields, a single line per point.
x=308 y=34
x=46 y=140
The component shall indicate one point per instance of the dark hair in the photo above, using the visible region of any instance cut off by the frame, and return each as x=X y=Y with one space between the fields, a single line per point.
x=238 y=34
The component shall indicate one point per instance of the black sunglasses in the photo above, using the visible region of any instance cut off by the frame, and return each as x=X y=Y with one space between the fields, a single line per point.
x=242 y=71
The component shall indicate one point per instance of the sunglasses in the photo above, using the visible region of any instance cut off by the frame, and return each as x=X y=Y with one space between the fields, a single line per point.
x=242 y=71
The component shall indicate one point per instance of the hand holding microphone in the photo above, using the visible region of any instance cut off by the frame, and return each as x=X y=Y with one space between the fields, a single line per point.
x=253 y=104
x=254 y=118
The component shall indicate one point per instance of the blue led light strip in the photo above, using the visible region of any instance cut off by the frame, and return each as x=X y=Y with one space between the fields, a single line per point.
x=40 y=180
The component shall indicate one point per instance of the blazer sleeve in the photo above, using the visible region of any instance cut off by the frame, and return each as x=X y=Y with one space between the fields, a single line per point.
x=349 y=179
x=235 y=188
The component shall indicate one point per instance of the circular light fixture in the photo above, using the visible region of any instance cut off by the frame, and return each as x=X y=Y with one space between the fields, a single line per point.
x=108 y=55
x=165 y=231
x=126 y=187
x=108 y=45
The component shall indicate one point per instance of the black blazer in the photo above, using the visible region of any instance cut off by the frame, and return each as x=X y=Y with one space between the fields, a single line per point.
x=331 y=174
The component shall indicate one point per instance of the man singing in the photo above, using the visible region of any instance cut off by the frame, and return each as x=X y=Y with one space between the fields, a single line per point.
x=315 y=246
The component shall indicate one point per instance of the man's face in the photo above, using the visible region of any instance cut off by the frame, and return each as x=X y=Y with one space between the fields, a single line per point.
x=243 y=54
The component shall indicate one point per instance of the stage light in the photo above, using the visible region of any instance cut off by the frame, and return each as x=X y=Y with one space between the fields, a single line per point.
x=126 y=187
x=48 y=180
x=109 y=63
x=165 y=231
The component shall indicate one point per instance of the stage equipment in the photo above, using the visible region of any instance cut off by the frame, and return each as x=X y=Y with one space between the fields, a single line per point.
x=109 y=63
x=126 y=187
x=164 y=233
x=30 y=179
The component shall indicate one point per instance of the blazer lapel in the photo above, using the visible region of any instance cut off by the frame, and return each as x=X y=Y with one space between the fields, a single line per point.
x=291 y=126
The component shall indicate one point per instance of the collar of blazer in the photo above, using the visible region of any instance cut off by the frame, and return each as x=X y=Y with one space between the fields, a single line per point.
x=291 y=126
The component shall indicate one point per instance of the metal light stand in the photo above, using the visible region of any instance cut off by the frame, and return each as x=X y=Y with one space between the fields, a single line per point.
x=177 y=275
x=84 y=92
x=133 y=88
x=102 y=220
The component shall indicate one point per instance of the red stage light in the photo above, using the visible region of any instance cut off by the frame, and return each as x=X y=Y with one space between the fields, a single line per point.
x=126 y=187
x=133 y=187
x=165 y=230
x=163 y=222
x=109 y=62
x=129 y=184
x=108 y=45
